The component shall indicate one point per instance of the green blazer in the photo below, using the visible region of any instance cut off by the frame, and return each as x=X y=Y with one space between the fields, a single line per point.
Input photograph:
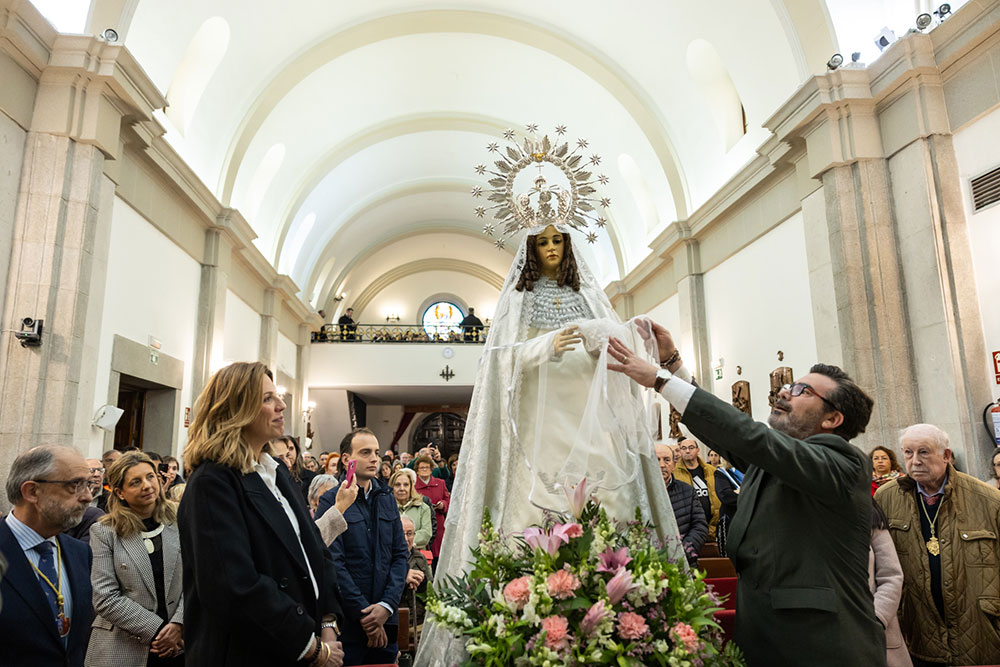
x=799 y=540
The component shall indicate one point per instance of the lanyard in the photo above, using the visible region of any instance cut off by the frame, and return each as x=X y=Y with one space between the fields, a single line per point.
x=61 y=620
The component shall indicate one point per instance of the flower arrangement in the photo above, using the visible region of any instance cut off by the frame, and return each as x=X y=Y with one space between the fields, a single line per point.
x=581 y=590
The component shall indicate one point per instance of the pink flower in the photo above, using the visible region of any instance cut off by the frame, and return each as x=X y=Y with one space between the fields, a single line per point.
x=556 y=632
x=632 y=626
x=574 y=530
x=567 y=531
x=619 y=586
x=593 y=618
x=562 y=583
x=685 y=634
x=549 y=542
x=517 y=592
x=612 y=561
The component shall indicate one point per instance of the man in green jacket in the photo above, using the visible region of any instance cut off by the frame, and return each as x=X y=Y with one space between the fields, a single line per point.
x=801 y=532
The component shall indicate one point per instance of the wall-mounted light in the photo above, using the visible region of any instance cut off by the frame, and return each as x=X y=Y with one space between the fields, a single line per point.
x=308 y=409
x=835 y=61
x=110 y=35
x=282 y=390
x=943 y=11
x=392 y=317
x=884 y=38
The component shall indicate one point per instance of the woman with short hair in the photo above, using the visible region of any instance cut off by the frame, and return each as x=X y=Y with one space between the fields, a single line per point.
x=259 y=585
x=136 y=575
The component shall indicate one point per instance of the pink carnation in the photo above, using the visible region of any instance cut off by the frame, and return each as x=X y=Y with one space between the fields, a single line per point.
x=517 y=592
x=632 y=626
x=686 y=634
x=562 y=583
x=556 y=632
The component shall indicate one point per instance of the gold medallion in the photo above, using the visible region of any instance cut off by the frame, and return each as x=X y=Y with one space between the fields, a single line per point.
x=933 y=548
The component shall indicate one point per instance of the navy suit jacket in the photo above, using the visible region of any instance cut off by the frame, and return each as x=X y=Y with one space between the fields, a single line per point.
x=371 y=557
x=28 y=633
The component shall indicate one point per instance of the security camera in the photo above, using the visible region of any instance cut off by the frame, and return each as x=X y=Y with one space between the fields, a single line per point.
x=30 y=333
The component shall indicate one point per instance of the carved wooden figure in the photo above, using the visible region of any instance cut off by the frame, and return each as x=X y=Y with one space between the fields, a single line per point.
x=780 y=376
x=741 y=396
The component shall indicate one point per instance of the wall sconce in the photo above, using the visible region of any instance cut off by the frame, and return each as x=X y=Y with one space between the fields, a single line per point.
x=392 y=317
x=282 y=390
x=308 y=410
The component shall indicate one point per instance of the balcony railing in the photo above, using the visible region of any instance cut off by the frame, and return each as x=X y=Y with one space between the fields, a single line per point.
x=399 y=333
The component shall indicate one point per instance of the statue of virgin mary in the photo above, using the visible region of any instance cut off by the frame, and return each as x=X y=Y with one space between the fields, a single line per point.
x=545 y=411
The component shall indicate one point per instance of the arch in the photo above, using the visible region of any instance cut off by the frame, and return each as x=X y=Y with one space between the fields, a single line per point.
x=713 y=80
x=584 y=57
x=636 y=184
x=287 y=261
x=423 y=266
x=196 y=68
x=263 y=176
x=809 y=30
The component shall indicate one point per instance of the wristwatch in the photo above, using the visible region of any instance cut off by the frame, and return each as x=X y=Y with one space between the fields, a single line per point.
x=331 y=624
x=662 y=377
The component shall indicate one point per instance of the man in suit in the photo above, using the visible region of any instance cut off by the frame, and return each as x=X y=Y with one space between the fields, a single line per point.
x=371 y=557
x=47 y=607
x=801 y=532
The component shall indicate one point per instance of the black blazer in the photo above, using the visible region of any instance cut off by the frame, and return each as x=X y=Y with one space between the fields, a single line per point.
x=248 y=599
x=28 y=633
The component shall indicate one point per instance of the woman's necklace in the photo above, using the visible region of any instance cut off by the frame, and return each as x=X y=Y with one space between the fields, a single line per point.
x=147 y=538
x=933 y=548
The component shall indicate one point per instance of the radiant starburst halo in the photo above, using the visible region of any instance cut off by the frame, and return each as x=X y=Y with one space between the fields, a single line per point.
x=573 y=202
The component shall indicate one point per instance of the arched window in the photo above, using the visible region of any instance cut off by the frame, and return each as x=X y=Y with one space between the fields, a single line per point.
x=195 y=70
x=442 y=318
x=713 y=80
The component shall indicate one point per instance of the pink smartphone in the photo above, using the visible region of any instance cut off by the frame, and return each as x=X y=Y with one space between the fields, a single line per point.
x=351 y=465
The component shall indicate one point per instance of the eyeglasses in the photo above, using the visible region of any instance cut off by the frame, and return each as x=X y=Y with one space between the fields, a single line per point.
x=75 y=486
x=93 y=470
x=799 y=387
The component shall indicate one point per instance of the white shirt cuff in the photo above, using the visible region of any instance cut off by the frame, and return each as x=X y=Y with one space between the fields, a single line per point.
x=678 y=388
x=309 y=644
x=387 y=607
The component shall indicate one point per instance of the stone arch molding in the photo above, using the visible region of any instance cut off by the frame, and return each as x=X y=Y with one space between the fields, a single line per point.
x=583 y=57
x=423 y=266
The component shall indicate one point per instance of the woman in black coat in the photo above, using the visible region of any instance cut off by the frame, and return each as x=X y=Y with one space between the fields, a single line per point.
x=259 y=586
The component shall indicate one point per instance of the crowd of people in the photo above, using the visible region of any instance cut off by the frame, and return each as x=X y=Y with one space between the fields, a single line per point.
x=277 y=557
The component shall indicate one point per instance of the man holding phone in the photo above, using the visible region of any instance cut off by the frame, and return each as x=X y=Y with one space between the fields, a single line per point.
x=371 y=557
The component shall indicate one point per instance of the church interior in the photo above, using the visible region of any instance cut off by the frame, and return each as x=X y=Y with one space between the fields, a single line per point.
x=187 y=184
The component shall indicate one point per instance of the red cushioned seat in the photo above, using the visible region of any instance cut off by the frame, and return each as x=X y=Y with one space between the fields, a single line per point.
x=727 y=619
x=725 y=586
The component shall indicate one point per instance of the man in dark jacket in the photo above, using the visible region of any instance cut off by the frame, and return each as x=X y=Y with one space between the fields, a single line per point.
x=370 y=557
x=688 y=511
x=801 y=533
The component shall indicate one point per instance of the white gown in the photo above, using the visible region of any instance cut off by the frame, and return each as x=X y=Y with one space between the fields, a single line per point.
x=538 y=422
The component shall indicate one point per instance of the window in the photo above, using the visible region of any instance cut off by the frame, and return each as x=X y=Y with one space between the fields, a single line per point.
x=442 y=318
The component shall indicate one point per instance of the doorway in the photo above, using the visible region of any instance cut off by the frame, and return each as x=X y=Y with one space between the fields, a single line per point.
x=444 y=429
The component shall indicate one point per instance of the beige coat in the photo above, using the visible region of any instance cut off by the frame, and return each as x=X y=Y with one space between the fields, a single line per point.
x=885 y=578
x=968 y=527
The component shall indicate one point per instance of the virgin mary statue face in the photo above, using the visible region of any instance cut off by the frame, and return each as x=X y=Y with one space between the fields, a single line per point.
x=549 y=250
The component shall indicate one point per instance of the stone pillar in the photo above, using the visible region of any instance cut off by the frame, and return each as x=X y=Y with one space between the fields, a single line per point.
x=694 y=321
x=209 y=340
x=269 y=330
x=302 y=376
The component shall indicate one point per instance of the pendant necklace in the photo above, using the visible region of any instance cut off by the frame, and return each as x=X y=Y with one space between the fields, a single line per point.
x=147 y=538
x=62 y=621
x=933 y=547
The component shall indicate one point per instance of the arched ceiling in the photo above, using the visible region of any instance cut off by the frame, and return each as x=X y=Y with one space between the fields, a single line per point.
x=382 y=108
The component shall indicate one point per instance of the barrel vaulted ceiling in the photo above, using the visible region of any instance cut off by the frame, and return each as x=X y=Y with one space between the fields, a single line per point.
x=347 y=132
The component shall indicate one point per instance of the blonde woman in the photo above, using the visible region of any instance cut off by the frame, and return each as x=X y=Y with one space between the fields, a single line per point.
x=136 y=575
x=412 y=506
x=259 y=585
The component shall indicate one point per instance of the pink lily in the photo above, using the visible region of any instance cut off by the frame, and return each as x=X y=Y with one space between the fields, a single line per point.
x=565 y=531
x=593 y=618
x=613 y=561
x=620 y=586
x=539 y=539
x=577 y=497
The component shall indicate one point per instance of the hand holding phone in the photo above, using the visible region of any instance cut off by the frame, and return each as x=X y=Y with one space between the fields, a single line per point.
x=351 y=465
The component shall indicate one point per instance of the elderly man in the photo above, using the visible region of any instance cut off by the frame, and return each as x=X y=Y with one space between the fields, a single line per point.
x=47 y=599
x=405 y=458
x=417 y=576
x=688 y=510
x=801 y=533
x=946 y=528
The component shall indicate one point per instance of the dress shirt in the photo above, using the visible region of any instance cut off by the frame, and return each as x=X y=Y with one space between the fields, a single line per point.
x=930 y=497
x=678 y=388
x=27 y=538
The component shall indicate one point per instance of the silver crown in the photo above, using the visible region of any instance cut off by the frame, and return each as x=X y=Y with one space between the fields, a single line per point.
x=543 y=204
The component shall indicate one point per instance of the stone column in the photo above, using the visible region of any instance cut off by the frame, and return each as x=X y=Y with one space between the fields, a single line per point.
x=209 y=341
x=269 y=329
x=694 y=321
x=302 y=376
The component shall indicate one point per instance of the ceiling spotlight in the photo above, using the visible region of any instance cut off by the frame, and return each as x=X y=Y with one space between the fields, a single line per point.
x=110 y=35
x=943 y=11
x=924 y=21
x=884 y=38
x=856 y=56
x=835 y=61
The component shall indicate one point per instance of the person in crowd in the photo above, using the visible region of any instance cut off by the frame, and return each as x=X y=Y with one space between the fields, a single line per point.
x=385 y=471
x=154 y=456
x=177 y=492
x=317 y=487
x=472 y=327
x=397 y=465
x=322 y=460
x=442 y=470
x=885 y=578
x=802 y=529
x=96 y=480
x=310 y=463
x=449 y=479
x=259 y=586
x=390 y=454
x=300 y=474
x=688 y=510
x=172 y=476
x=437 y=492
x=405 y=458
x=47 y=610
x=732 y=470
x=81 y=531
x=411 y=504
x=137 y=572
x=332 y=523
x=713 y=458
x=371 y=557
x=333 y=465
x=995 y=468
x=108 y=458
x=346 y=325
x=944 y=524
x=695 y=472
x=728 y=489
x=884 y=466
x=416 y=577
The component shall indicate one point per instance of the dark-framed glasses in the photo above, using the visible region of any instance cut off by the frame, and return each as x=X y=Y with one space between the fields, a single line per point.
x=797 y=388
x=75 y=486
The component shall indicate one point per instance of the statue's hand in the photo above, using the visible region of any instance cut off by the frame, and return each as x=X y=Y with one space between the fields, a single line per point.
x=565 y=340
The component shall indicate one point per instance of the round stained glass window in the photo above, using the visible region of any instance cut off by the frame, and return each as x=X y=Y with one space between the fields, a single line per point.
x=442 y=318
